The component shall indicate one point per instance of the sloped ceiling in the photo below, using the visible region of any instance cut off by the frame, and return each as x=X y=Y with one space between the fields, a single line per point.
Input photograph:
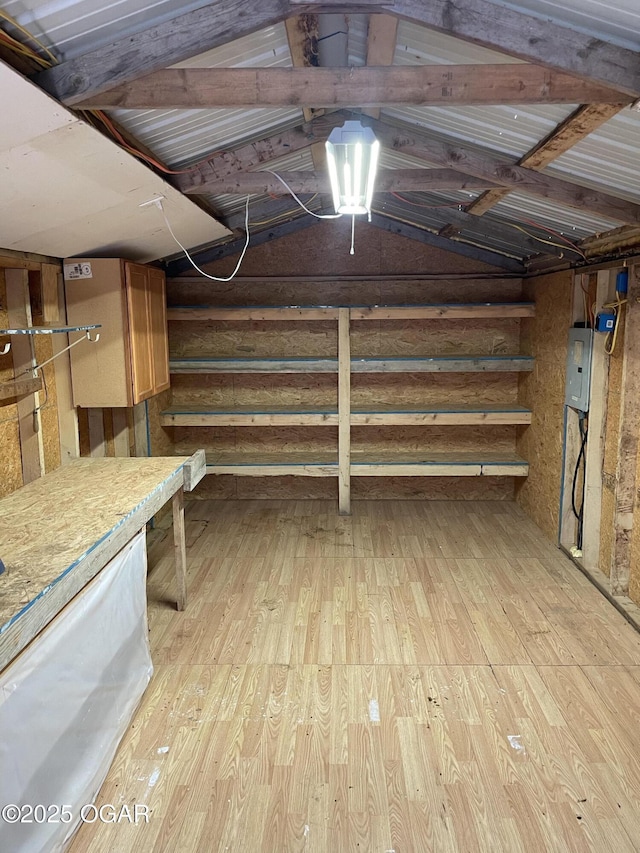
x=543 y=172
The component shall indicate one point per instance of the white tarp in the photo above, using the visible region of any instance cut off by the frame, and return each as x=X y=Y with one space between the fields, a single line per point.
x=66 y=702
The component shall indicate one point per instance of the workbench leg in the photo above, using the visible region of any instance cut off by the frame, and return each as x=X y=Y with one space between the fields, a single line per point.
x=180 y=548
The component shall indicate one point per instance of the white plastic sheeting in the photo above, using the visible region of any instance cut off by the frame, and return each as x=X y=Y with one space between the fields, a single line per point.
x=67 y=700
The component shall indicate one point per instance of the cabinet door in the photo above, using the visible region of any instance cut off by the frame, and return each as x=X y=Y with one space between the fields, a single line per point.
x=158 y=327
x=139 y=331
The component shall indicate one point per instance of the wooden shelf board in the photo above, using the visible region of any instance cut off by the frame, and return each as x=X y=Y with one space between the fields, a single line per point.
x=247 y=416
x=392 y=364
x=252 y=312
x=450 y=311
x=464 y=464
x=446 y=311
x=19 y=388
x=445 y=364
x=273 y=464
x=381 y=415
x=440 y=415
x=254 y=365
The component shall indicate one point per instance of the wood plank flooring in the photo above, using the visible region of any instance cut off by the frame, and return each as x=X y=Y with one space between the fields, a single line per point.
x=418 y=677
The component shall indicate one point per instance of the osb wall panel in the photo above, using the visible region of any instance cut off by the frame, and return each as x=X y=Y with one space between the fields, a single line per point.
x=324 y=249
x=415 y=389
x=435 y=337
x=465 y=439
x=307 y=440
x=161 y=439
x=362 y=488
x=336 y=292
x=252 y=338
x=545 y=338
x=262 y=391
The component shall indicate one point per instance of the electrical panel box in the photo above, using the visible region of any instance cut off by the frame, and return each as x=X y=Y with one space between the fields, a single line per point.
x=579 y=369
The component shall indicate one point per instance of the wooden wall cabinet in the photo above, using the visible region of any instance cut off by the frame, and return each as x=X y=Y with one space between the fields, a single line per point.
x=130 y=363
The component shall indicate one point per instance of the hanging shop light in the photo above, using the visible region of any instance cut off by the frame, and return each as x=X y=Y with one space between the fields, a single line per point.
x=352 y=160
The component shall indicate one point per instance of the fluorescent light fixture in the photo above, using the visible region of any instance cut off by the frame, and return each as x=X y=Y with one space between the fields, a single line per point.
x=352 y=159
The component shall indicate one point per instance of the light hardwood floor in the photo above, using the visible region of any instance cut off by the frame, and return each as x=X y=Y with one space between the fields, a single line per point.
x=419 y=677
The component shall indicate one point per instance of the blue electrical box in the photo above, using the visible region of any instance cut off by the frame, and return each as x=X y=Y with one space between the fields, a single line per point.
x=605 y=321
x=579 y=369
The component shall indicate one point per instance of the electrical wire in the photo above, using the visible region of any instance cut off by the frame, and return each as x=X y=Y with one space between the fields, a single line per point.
x=458 y=204
x=579 y=513
x=190 y=259
x=612 y=337
x=302 y=205
x=32 y=38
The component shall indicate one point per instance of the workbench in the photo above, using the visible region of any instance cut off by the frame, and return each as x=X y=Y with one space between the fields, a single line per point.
x=59 y=531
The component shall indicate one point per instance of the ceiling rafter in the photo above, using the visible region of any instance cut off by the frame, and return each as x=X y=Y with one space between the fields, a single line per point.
x=387 y=180
x=568 y=133
x=302 y=36
x=485 y=164
x=381 y=46
x=479 y=21
x=415 y=85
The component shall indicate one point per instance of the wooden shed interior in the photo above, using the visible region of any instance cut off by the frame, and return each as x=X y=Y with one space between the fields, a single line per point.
x=386 y=501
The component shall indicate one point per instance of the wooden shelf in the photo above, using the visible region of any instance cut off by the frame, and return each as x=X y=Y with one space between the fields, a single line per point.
x=392 y=364
x=253 y=365
x=380 y=416
x=19 y=388
x=469 y=464
x=440 y=415
x=446 y=311
x=347 y=462
x=452 y=311
x=252 y=312
x=369 y=465
x=247 y=416
x=273 y=464
x=443 y=364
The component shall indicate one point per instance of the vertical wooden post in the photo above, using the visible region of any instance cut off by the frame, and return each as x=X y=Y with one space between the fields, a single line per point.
x=344 y=412
x=140 y=436
x=180 y=549
x=627 y=440
x=29 y=422
x=595 y=440
x=568 y=522
x=67 y=412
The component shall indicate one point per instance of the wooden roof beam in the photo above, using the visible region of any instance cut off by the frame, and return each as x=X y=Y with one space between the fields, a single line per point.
x=414 y=85
x=387 y=180
x=532 y=39
x=381 y=46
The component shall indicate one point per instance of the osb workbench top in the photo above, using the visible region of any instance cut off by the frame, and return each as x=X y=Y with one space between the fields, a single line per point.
x=57 y=532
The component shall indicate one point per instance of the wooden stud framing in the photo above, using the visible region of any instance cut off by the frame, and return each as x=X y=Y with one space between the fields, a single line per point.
x=67 y=412
x=344 y=412
x=596 y=438
x=627 y=440
x=29 y=420
x=96 y=433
